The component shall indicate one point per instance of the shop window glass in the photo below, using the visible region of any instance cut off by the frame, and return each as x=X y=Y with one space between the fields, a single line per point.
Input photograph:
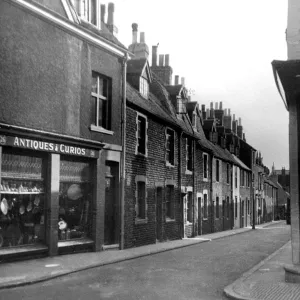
x=75 y=200
x=22 y=220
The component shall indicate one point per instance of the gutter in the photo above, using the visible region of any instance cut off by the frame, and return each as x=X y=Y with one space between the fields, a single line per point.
x=123 y=155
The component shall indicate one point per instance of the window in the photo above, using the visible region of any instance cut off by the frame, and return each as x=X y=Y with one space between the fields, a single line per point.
x=189 y=207
x=205 y=166
x=228 y=174
x=205 y=207
x=189 y=161
x=242 y=178
x=217 y=170
x=194 y=117
x=248 y=206
x=235 y=177
x=144 y=87
x=141 y=135
x=89 y=10
x=141 y=200
x=170 y=146
x=170 y=202
x=243 y=207
x=217 y=208
x=235 y=207
x=101 y=101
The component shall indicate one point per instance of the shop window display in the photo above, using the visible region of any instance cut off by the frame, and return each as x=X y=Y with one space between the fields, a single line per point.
x=22 y=219
x=74 y=201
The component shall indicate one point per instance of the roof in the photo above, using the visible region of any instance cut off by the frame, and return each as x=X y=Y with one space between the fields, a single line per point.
x=136 y=66
x=270 y=182
x=174 y=90
x=240 y=163
x=208 y=124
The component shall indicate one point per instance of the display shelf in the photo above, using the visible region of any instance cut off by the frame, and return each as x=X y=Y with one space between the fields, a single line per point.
x=13 y=177
x=21 y=193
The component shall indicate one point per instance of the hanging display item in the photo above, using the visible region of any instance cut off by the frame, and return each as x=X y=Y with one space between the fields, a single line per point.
x=4 y=206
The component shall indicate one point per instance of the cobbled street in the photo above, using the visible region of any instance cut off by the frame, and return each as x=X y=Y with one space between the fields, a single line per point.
x=196 y=272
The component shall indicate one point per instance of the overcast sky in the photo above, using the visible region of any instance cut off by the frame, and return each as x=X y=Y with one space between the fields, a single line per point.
x=224 y=49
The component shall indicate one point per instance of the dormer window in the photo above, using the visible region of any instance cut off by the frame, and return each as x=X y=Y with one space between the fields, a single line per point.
x=194 y=121
x=144 y=87
x=89 y=10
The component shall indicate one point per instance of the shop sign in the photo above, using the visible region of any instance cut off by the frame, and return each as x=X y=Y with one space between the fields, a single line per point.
x=46 y=146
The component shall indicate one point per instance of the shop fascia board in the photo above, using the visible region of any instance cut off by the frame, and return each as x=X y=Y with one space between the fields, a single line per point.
x=51 y=136
x=67 y=25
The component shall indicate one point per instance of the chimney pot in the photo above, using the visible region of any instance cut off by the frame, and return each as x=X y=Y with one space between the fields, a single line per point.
x=142 y=37
x=221 y=105
x=216 y=105
x=233 y=117
x=225 y=112
x=161 y=60
x=154 y=56
x=211 y=105
x=167 y=60
x=103 y=8
x=207 y=113
x=229 y=112
x=240 y=121
x=183 y=81
x=176 y=79
x=111 y=9
x=134 y=32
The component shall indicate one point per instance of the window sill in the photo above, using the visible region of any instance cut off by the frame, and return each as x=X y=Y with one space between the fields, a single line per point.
x=169 y=165
x=101 y=129
x=141 y=221
x=188 y=172
x=205 y=179
x=168 y=220
x=141 y=154
x=205 y=219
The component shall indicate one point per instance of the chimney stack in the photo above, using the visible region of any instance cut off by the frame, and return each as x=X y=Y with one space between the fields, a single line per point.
x=176 y=79
x=203 y=111
x=183 y=81
x=240 y=122
x=110 y=19
x=167 y=60
x=154 y=56
x=216 y=105
x=240 y=129
x=234 y=125
x=244 y=138
x=221 y=105
x=161 y=60
x=207 y=113
x=229 y=114
x=142 y=37
x=103 y=11
x=233 y=117
x=134 y=33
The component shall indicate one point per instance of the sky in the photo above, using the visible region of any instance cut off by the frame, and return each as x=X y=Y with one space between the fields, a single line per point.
x=224 y=49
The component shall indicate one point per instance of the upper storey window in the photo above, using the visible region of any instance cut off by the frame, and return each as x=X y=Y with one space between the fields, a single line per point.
x=89 y=10
x=144 y=87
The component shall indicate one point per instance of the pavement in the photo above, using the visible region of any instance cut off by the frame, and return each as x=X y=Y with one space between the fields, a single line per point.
x=266 y=280
x=33 y=271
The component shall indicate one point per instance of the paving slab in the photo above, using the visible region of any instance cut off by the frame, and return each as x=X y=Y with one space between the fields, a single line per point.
x=37 y=270
x=266 y=281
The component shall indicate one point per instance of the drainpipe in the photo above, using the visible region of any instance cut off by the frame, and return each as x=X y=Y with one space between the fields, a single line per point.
x=179 y=183
x=211 y=195
x=123 y=156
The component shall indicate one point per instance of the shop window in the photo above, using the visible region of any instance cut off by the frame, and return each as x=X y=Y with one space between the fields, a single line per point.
x=205 y=166
x=170 y=202
x=235 y=177
x=75 y=200
x=189 y=207
x=170 y=146
x=89 y=10
x=205 y=207
x=141 y=147
x=217 y=208
x=144 y=87
x=22 y=219
x=101 y=102
x=248 y=206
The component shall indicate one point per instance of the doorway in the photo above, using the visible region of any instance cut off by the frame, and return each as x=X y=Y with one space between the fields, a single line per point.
x=159 y=198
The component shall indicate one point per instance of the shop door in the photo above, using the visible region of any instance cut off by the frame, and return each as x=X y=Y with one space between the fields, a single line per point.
x=159 y=213
x=111 y=231
x=224 y=214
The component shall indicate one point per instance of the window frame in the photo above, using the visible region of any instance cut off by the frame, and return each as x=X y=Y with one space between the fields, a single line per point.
x=170 y=152
x=205 y=209
x=205 y=167
x=84 y=11
x=97 y=96
x=142 y=179
x=189 y=155
x=140 y=116
x=236 y=177
x=144 y=87
x=217 y=170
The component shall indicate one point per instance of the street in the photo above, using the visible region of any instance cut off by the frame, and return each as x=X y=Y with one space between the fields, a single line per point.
x=196 y=272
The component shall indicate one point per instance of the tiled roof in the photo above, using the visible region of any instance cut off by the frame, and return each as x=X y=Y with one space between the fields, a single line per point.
x=270 y=182
x=208 y=124
x=174 y=90
x=136 y=66
x=240 y=163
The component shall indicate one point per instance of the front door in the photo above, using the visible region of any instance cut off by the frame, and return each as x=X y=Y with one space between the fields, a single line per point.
x=224 y=214
x=199 y=215
x=111 y=226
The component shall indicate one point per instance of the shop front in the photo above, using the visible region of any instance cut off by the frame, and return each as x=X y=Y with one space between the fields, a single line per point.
x=50 y=197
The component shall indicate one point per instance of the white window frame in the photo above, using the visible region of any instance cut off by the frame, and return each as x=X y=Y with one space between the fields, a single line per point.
x=137 y=135
x=99 y=97
x=168 y=163
x=140 y=178
x=205 y=178
x=187 y=171
x=85 y=13
x=144 y=87
x=189 y=190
